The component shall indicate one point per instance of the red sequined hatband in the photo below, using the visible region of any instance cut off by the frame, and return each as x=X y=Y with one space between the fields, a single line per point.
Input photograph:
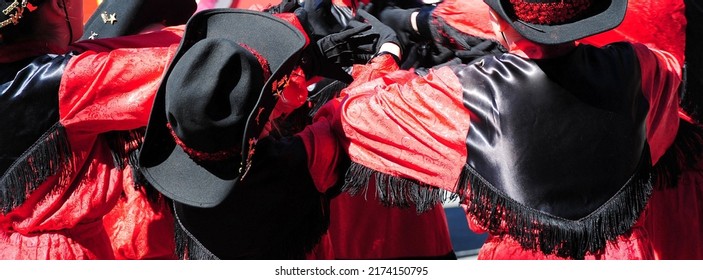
x=262 y=61
x=200 y=155
x=549 y=12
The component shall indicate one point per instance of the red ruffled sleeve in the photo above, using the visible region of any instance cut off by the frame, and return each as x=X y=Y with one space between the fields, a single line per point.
x=661 y=78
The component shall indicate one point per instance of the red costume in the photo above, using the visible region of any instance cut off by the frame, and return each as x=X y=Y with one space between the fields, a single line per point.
x=72 y=192
x=423 y=141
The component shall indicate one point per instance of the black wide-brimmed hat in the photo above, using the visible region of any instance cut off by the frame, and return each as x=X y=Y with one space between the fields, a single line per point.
x=214 y=101
x=599 y=16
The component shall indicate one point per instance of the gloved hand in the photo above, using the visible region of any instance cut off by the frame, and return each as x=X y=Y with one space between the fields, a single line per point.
x=327 y=56
x=355 y=44
x=385 y=33
x=317 y=19
x=400 y=20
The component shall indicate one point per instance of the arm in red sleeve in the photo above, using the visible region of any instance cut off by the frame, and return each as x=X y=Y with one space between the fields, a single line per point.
x=325 y=154
x=661 y=78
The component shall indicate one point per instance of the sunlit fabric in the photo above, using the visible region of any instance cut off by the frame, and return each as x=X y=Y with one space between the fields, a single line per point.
x=84 y=211
x=657 y=23
x=425 y=116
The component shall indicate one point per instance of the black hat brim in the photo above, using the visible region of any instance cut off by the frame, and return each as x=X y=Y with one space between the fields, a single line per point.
x=608 y=19
x=164 y=164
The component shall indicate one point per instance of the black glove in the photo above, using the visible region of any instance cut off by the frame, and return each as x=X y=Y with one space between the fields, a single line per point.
x=329 y=55
x=317 y=19
x=399 y=20
x=385 y=33
x=286 y=6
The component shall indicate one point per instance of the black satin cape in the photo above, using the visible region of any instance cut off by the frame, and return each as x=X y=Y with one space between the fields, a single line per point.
x=557 y=152
x=33 y=145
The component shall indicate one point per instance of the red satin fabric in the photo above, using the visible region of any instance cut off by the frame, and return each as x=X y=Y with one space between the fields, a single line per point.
x=137 y=227
x=468 y=16
x=675 y=222
x=93 y=210
x=659 y=24
x=62 y=219
x=408 y=126
x=362 y=228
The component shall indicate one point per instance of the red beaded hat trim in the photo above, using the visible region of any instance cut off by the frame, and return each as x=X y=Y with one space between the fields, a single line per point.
x=200 y=155
x=262 y=60
x=549 y=12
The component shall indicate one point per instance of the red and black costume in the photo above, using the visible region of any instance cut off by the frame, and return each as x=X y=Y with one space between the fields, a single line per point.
x=425 y=139
x=69 y=190
x=451 y=23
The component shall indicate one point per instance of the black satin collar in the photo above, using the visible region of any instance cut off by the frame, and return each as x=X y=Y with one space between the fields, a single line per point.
x=28 y=103
x=561 y=136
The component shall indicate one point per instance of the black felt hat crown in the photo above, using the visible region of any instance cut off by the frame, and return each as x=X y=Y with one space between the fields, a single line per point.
x=214 y=101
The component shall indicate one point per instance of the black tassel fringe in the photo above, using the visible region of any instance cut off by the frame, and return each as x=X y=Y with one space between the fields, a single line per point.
x=125 y=146
x=49 y=156
x=187 y=247
x=686 y=151
x=393 y=191
x=535 y=230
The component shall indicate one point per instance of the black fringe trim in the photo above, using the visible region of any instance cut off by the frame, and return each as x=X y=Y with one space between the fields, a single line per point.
x=539 y=231
x=187 y=246
x=125 y=146
x=392 y=191
x=49 y=156
x=685 y=152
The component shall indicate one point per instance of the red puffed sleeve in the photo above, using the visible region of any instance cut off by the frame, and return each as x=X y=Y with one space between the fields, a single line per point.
x=661 y=78
x=408 y=126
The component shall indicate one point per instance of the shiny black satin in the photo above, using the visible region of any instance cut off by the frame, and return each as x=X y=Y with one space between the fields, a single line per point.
x=28 y=103
x=561 y=136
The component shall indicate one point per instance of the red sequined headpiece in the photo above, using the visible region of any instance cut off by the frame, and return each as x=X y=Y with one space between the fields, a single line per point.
x=549 y=12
